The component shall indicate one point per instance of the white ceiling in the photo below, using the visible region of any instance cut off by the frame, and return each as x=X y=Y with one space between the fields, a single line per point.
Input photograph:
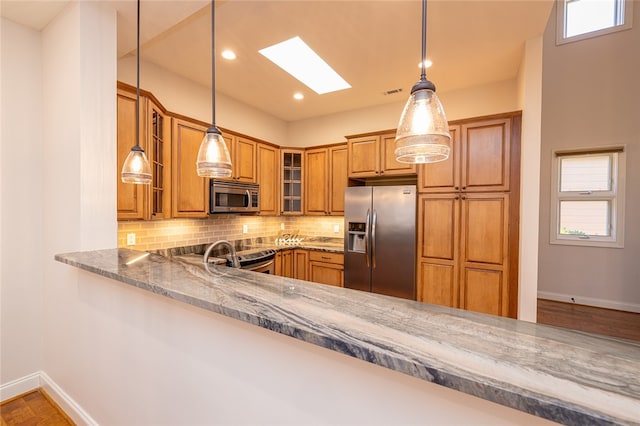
x=374 y=44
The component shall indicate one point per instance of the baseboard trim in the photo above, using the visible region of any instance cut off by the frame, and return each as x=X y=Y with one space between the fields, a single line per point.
x=19 y=386
x=590 y=301
x=42 y=380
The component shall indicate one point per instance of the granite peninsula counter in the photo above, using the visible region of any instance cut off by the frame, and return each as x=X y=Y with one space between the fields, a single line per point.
x=561 y=375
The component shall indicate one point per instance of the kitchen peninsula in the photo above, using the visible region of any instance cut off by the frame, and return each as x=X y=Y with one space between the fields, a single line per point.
x=560 y=375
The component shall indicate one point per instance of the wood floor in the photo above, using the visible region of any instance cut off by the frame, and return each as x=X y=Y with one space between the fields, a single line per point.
x=607 y=322
x=31 y=409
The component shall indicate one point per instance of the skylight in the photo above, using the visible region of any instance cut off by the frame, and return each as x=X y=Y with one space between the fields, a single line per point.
x=296 y=58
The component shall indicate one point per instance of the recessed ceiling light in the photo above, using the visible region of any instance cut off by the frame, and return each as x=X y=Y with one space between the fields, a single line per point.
x=298 y=96
x=427 y=63
x=296 y=58
x=228 y=54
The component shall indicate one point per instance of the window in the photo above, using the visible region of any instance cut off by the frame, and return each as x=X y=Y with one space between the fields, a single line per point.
x=587 y=206
x=580 y=19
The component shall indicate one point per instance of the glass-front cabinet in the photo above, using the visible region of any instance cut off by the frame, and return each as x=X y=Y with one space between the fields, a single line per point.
x=292 y=184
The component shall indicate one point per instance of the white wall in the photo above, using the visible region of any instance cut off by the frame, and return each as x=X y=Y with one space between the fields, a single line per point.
x=466 y=103
x=591 y=98
x=185 y=97
x=79 y=120
x=21 y=205
x=530 y=102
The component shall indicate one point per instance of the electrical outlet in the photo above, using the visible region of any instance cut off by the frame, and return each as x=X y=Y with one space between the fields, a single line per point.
x=336 y=229
x=131 y=239
x=282 y=225
x=245 y=229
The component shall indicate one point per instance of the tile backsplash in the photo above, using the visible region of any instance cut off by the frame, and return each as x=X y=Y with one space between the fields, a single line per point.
x=161 y=234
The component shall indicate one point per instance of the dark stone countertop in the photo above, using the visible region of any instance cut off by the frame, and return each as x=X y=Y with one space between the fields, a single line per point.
x=562 y=375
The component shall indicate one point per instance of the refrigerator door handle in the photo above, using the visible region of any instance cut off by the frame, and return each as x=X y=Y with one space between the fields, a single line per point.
x=366 y=238
x=374 y=221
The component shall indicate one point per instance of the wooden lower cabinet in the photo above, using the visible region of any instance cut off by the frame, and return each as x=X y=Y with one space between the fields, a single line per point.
x=284 y=263
x=326 y=268
x=464 y=251
x=300 y=264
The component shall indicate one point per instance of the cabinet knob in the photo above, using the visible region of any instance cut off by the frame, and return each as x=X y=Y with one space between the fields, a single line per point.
x=381 y=172
x=464 y=187
x=457 y=198
x=464 y=198
x=456 y=188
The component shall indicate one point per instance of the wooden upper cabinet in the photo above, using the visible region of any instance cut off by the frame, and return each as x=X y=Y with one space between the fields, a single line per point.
x=364 y=156
x=133 y=199
x=159 y=130
x=389 y=166
x=291 y=180
x=325 y=180
x=190 y=192
x=443 y=176
x=243 y=157
x=479 y=160
x=244 y=160
x=338 y=178
x=144 y=201
x=372 y=155
x=316 y=181
x=486 y=155
x=268 y=169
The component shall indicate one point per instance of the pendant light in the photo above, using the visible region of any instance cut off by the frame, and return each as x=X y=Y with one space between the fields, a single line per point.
x=213 y=156
x=136 y=166
x=423 y=133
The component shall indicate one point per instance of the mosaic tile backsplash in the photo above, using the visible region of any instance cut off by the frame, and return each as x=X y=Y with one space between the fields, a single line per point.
x=161 y=234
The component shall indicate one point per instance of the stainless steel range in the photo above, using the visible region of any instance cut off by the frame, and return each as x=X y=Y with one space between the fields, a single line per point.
x=256 y=260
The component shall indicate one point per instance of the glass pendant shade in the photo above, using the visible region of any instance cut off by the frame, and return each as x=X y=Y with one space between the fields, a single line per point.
x=136 y=167
x=423 y=133
x=213 y=156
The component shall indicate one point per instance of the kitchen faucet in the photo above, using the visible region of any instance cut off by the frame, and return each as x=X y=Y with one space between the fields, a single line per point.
x=235 y=262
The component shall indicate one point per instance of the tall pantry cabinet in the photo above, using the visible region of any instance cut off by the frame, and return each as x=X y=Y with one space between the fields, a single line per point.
x=468 y=218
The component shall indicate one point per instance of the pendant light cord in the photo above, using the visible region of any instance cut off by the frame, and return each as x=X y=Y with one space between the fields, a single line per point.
x=213 y=65
x=138 y=81
x=423 y=74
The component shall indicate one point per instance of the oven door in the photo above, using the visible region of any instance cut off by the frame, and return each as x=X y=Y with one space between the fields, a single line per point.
x=266 y=267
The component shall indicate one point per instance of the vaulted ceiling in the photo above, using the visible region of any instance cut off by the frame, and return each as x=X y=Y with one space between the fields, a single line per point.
x=375 y=45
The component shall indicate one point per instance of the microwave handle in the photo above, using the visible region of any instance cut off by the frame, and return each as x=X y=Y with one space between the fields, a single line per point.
x=248 y=195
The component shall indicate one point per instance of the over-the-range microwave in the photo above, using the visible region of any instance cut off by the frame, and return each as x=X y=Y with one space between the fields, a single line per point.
x=233 y=197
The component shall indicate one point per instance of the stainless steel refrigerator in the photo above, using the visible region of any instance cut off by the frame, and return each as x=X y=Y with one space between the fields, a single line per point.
x=380 y=239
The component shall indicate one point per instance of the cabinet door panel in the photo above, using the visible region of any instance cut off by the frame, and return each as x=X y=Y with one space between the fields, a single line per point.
x=244 y=157
x=364 y=158
x=483 y=291
x=316 y=178
x=442 y=176
x=389 y=164
x=438 y=226
x=190 y=193
x=339 y=179
x=326 y=273
x=438 y=284
x=486 y=155
x=268 y=170
x=485 y=228
x=131 y=199
x=300 y=264
x=287 y=263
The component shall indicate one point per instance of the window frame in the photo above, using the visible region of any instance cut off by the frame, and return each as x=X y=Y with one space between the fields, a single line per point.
x=615 y=196
x=561 y=9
